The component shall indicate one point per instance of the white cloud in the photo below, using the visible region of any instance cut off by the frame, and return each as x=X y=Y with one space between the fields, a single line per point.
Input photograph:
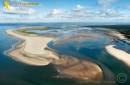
x=78 y=8
x=55 y=13
x=78 y=13
x=106 y=10
x=58 y=13
x=110 y=13
x=105 y=3
x=81 y=12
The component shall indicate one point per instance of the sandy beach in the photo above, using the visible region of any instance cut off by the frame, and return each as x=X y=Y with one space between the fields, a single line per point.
x=119 y=35
x=34 y=48
x=119 y=54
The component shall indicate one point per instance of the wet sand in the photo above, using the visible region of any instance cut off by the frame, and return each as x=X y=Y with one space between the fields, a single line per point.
x=77 y=38
x=68 y=66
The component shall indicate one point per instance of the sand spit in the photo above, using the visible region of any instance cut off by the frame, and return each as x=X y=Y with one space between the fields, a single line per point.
x=34 y=51
x=119 y=54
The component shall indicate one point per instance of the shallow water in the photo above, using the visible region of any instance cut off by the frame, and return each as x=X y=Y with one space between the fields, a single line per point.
x=15 y=73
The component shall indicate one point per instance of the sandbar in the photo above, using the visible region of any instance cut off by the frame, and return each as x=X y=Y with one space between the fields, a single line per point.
x=34 y=48
x=119 y=54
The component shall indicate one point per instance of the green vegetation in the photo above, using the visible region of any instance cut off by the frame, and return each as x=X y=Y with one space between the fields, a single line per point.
x=24 y=30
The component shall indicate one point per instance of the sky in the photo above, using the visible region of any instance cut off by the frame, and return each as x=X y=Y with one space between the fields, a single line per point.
x=68 y=10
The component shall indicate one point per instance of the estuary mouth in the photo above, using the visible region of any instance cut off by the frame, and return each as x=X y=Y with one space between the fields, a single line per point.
x=73 y=56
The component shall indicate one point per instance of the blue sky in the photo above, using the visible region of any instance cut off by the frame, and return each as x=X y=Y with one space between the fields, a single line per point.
x=70 y=9
x=67 y=4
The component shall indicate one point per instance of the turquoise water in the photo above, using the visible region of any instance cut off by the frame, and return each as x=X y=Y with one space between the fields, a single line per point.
x=15 y=73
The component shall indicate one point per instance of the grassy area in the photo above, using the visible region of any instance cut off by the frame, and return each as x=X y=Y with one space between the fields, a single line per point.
x=24 y=30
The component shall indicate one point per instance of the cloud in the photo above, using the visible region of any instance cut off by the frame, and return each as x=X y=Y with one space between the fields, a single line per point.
x=106 y=10
x=58 y=13
x=110 y=13
x=79 y=13
x=105 y=3
x=78 y=8
x=55 y=13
